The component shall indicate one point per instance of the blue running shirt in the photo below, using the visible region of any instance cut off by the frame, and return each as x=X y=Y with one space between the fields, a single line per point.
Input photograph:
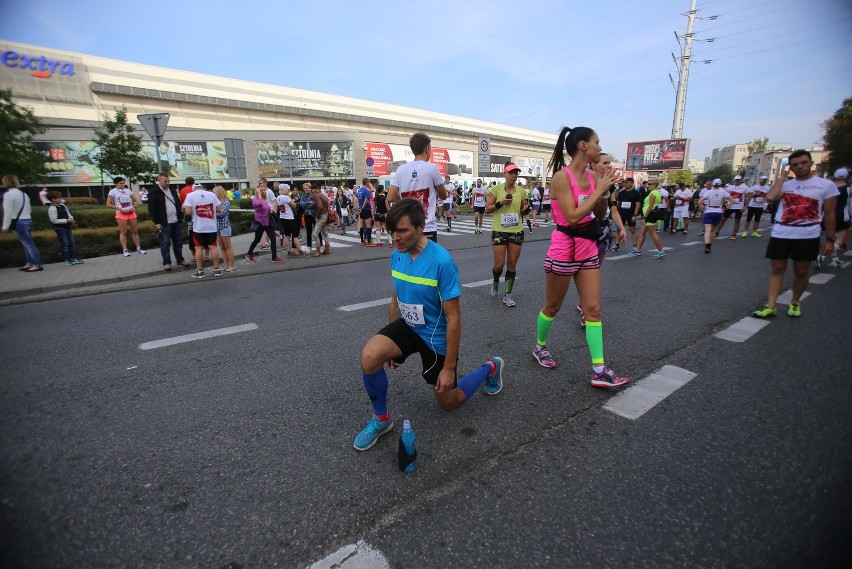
x=421 y=286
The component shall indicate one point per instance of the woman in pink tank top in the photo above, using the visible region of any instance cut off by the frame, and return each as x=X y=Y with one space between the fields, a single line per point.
x=573 y=250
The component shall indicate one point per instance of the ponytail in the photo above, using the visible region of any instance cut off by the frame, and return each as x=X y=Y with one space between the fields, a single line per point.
x=568 y=143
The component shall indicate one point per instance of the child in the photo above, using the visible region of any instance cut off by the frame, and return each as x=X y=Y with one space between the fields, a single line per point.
x=62 y=221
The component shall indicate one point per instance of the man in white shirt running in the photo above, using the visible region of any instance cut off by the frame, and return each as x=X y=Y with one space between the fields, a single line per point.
x=755 y=203
x=421 y=180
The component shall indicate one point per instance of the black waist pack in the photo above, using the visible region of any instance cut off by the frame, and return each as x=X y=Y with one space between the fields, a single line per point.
x=590 y=230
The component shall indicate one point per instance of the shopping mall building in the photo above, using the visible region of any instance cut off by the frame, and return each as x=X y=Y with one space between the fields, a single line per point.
x=331 y=137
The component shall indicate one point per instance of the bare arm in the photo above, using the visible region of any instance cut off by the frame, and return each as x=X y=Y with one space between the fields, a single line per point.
x=442 y=192
x=774 y=194
x=447 y=376
x=393 y=194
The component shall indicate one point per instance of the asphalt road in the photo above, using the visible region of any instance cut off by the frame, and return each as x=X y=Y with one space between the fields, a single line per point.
x=236 y=451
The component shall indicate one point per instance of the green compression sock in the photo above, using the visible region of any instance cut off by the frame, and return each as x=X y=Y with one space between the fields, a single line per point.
x=543 y=328
x=594 y=338
x=510 y=281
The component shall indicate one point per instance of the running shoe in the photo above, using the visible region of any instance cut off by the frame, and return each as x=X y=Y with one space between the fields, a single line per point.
x=616 y=247
x=250 y=258
x=635 y=252
x=765 y=312
x=265 y=246
x=198 y=275
x=543 y=357
x=507 y=300
x=744 y=234
x=659 y=254
x=77 y=261
x=494 y=382
x=277 y=260
x=217 y=272
x=371 y=433
x=684 y=233
x=819 y=261
x=69 y=262
x=836 y=262
x=608 y=378
x=126 y=253
x=755 y=234
x=733 y=237
x=495 y=287
x=794 y=310
x=142 y=251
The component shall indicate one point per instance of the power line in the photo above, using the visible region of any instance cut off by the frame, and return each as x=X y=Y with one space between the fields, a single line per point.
x=741 y=45
x=816 y=14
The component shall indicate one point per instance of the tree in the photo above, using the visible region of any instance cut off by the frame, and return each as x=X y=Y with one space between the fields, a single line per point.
x=121 y=149
x=838 y=137
x=18 y=153
x=757 y=145
x=675 y=176
x=725 y=172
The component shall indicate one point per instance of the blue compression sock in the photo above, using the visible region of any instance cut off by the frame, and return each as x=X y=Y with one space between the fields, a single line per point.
x=376 y=385
x=471 y=382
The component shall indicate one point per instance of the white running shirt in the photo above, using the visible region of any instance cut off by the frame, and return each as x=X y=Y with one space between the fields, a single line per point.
x=419 y=180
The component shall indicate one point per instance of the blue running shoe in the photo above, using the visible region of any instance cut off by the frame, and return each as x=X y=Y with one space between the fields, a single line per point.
x=659 y=254
x=494 y=382
x=635 y=252
x=371 y=433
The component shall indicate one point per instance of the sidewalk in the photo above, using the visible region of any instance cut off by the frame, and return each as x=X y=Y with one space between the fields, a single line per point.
x=116 y=272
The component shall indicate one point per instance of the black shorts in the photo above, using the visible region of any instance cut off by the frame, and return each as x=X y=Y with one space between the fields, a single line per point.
x=505 y=238
x=479 y=208
x=735 y=212
x=432 y=235
x=796 y=249
x=204 y=239
x=380 y=217
x=365 y=213
x=625 y=218
x=409 y=342
x=290 y=227
x=545 y=208
x=754 y=213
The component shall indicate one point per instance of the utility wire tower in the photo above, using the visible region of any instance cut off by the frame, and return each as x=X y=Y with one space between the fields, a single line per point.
x=680 y=102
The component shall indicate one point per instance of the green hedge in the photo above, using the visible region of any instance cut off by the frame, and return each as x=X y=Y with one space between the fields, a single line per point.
x=93 y=240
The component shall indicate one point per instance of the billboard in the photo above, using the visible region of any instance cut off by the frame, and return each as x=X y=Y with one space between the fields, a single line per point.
x=314 y=159
x=200 y=160
x=71 y=162
x=498 y=162
x=386 y=158
x=530 y=167
x=668 y=154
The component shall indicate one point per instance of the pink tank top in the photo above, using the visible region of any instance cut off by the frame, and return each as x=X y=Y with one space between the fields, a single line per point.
x=579 y=196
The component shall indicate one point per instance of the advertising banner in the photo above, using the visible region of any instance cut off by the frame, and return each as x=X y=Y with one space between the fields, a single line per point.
x=669 y=154
x=71 y=162
x=387 y=158
x=314 y=159
x=497 y=165
x=530 y=167
x=201 y=160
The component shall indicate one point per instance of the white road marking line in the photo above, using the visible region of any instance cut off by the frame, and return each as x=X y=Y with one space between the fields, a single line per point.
x=640 y=398
x=360 y=305
x=787 y=296
x=133 y=367
x=339 y=237
x=197 y=336
x=742 y=330
x=617 y=257
x=654 y=250
x=692 y=243
x=483 y=283
x=821 y=278
x=846 y=264
x=354 y=556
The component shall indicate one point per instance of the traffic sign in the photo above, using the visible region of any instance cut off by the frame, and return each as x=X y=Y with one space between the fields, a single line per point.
x=155 y=125
x=484 y=155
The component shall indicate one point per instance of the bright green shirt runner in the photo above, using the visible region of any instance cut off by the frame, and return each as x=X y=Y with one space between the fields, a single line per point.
x=508 y=219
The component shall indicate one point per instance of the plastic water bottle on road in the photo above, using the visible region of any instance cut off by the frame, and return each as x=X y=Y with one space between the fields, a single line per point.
x=407 y=452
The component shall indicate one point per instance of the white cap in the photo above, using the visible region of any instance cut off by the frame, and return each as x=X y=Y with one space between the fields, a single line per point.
x=665 y=184
x=738 y=177
x=841 y=173
x=284 y=187
x=717 y=182
x=764 y=177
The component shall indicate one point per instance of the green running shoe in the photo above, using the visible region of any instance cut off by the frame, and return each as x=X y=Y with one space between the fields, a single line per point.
x=766 y=312
x=794 y=310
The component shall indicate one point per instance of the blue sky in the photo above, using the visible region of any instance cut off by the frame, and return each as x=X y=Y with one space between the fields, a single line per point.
x=780 y=67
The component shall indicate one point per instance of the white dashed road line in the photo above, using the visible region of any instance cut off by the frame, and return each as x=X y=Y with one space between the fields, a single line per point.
x=742 y=330
x=786 y=296
x=197 y=336
x=637 y=400
x=354 y=556
x=821 y=278
x=692 y=243
x=360 y=305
